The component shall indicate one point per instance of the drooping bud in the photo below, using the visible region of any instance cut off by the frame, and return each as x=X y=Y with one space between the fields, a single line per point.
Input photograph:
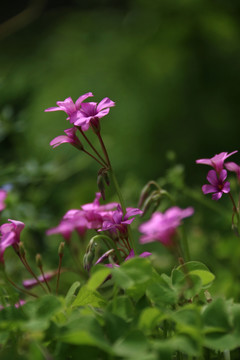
x=90 y=255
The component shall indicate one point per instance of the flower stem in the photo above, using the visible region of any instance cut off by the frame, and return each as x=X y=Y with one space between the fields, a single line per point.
x=27 y=266
x=18 y=288
x=59 y=272
x=92 y=156
x=91 y=145
x=44 y=278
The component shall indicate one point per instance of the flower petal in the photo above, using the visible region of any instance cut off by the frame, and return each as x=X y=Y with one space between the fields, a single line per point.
x=82 y=98
x=105 y=103
x=212 y=177
x=206 y=189
x=217 y=195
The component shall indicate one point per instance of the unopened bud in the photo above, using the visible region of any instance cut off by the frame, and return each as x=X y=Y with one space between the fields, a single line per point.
x=60 y=249
x=106 y=177
x=144 y=194
x=39 y=260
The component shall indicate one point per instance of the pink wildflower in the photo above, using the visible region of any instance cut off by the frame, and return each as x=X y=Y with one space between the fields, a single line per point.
x=3 y=195
x=69 y=107
x=163 y=226
x=10 y=236
x=92 y=112
x=217 y=185
x=118 y=221
x=216 y=161
x=90 y=216
x=30 y=283
x=17 y=305
x=70 y=137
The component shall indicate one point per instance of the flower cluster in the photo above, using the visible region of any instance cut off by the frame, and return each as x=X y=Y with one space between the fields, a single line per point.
x=216 y=178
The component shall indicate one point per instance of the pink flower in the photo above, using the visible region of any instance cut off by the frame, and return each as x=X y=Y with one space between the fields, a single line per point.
x=3 y=195
x=118 y=221
x=90 y=216
x=70 y=137
x=217 y=185
x=69 y=107
x=231 y=166
x=216 y=161
x=163 y=226
x=30 y=283
x=92 y=111
x=10 y=236
x=17 y=305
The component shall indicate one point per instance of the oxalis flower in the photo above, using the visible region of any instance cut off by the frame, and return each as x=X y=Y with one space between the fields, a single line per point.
x=10 y=236
x=70 y=137
x=91 y=113
x=69 y=107
x=232 y=166
x=217 y=185
x=163 y=226
x=217 y=161
x=118 y=221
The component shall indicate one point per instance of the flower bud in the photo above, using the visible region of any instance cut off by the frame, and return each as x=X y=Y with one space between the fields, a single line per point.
x=60 y=249
x=39 y=260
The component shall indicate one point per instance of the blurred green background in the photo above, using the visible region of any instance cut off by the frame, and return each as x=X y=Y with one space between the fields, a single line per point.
x=173 y=69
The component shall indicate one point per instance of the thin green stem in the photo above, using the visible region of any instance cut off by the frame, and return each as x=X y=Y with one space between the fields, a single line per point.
x=44 y=278
x=104 y=149
x=59 y=272
x=27 y=266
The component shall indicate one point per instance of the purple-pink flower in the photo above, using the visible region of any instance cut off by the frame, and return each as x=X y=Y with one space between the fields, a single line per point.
x=70 y=137
x=3 y=195
x=118 y=221
x=10 y=236
x=89 y=216
x=30 y=283
x=217 y=161
x=232 y=166
x=217 y=185
x=69 y=107
x=162 y=227
x=17 y=305
x=92 y=111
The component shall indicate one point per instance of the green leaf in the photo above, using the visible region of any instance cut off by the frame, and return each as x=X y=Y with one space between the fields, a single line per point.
x=84 y=330
x=133 y=276
x=122 y=306
x=160 y=292
x=86 y=296
x=199 y=269
x=133 y=345
x=150 y=318
x=70 y=297
x=99 y=275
